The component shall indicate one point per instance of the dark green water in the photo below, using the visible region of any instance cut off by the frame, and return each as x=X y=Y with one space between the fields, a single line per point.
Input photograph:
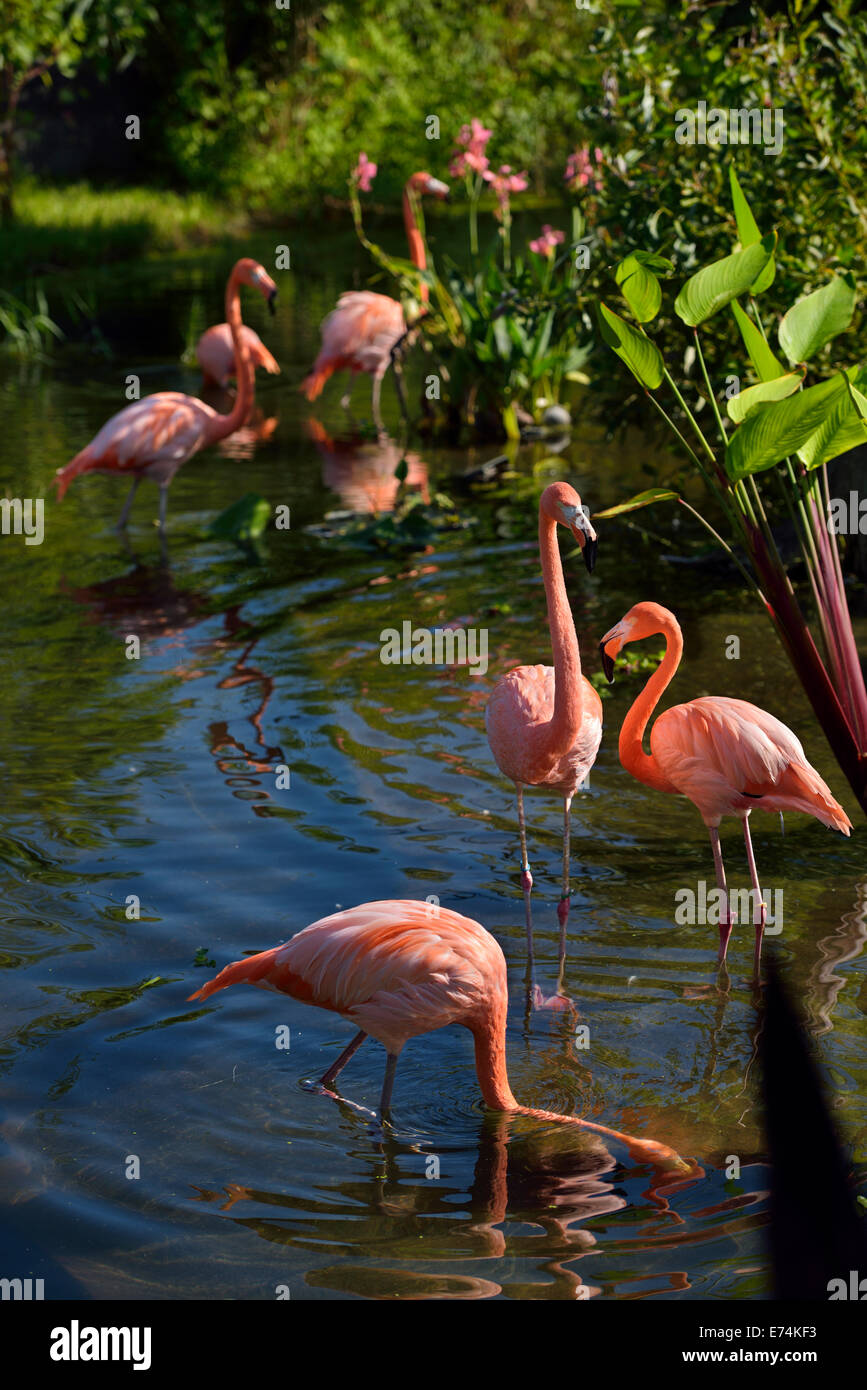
x=156 y=778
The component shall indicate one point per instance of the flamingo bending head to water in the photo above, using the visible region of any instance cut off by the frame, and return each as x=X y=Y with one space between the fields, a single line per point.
x=544 y=723
x=363 y=332
x=215 y=354
x=728 y=756
x=153 y=437
x=397 y=969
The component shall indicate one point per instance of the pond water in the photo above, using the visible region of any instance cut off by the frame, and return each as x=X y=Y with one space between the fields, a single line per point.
x=157 y=778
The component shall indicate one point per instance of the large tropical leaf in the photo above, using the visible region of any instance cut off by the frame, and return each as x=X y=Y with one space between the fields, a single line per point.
x=716 y=285
x=748 y=231
x=766 y=366
x=817 y=318
x=641 y=356
x=739 y=406
x=773 y=431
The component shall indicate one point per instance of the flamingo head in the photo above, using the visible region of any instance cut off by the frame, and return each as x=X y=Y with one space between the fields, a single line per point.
x=642 y=620
x=256 y=276
x=425 y=183
x=561 y=503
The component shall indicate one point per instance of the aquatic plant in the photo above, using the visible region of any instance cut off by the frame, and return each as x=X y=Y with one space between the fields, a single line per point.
x=784 y=433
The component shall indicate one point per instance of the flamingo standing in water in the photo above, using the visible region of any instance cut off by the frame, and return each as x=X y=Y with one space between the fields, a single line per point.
x=728 y=756
x=544 y=723
x=397 y=969
x=361 y=334
x=153 y=437
x=215 y=354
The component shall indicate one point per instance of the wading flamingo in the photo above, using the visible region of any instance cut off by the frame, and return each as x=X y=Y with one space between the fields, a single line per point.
x=153 y=437
x=362 y=333
x=727 y=756
x=215 y=354
x=397 y=969
x=544 y=723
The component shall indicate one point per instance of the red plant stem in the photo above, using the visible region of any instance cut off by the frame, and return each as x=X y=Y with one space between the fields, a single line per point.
x=797 y=639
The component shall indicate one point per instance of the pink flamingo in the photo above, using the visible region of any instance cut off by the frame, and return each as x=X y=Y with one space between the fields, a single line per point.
x=544 y=723
x=153 y=437
x=215 y=354
x=728 y=756
x=397 y=969
x=362 y=333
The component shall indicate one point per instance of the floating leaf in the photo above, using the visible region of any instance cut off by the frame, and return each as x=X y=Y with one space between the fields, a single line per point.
x=641 y=499
x=244 y=520
x=817 y=318
x=739 y=406
x=641 y=356
x=766 y=366
x=717 y=284
x=748 y=231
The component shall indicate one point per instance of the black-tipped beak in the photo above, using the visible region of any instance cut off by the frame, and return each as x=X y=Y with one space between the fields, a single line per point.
x=590 y=548
x=607 y=663
x=272 y=300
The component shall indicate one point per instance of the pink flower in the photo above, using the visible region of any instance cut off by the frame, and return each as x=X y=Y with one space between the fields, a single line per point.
x=504 y=183
x=580 y=172
x=544 y=245
x=470 y=154
x=364 y=173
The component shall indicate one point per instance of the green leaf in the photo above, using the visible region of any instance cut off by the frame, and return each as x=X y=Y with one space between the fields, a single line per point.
x=842 y=429
x=748 y=230
x=739 y=406
x=717 y=284
x=817 y=318
x=766 y=366
x=244 y=520
x=639 y=287
x=510 y=422
x=641 y=499
x=641 y=356
x=778 y=429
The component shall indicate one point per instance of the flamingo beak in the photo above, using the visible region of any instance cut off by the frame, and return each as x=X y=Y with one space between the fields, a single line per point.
x=439 y=189
x=272 y=300
x=614 y=638
x=585 y=536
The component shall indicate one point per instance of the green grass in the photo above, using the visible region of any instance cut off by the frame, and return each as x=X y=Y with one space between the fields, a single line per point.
x=63 y=228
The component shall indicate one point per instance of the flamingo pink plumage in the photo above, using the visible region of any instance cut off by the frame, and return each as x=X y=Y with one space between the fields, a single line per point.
x=215 y=354
x=728 y=756
x=544 y=723
x=360 y=335
x=397 y=969
x=153 y=437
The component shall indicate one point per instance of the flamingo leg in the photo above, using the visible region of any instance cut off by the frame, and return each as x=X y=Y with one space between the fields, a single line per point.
x=754 y=878
x=725 y=926
x=387 y=1084
x=563 y=905
x=377 y=389
x=164 y=502
x=526 y=876
x=336 y=1067
x=127 y=506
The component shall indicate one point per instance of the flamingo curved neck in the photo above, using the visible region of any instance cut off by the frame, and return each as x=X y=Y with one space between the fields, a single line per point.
x=490 y=1044
x=632 y=755
x=561 y=730
x=413 y=235
x=223 y=425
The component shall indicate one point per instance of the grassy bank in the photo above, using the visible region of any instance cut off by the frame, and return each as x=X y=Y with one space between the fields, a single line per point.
x=63 y=228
